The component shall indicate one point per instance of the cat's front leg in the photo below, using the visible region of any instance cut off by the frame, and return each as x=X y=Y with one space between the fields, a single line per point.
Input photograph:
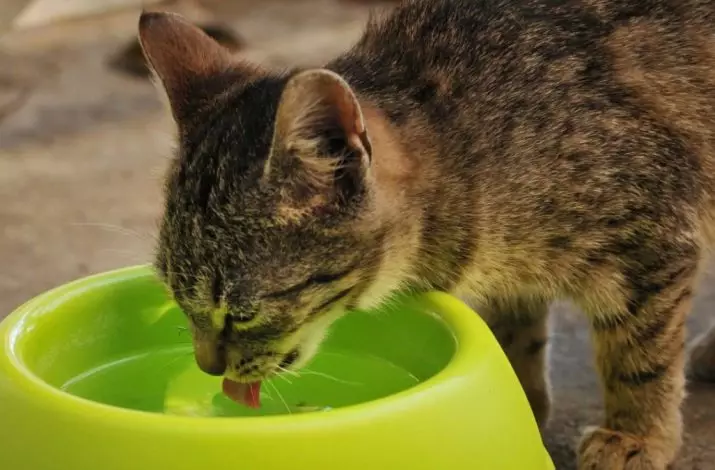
x=521 y=327
x=640 y=357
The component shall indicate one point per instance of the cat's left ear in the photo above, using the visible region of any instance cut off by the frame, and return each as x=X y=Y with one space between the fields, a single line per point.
x=182 y=56
x=321 y=147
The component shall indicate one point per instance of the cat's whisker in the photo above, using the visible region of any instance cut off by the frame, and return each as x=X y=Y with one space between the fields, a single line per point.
x=267 y=392
x=285 y=403
x=330 y=377
x=285 y=371
x=129 y=254
x=283 y=377
x=288 y=371
x=116 y=229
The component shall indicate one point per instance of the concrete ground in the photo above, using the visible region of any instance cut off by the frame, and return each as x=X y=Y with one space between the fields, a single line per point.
x=83 y=149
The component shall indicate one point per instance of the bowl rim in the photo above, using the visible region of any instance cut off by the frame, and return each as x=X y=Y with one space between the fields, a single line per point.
x=465 y=325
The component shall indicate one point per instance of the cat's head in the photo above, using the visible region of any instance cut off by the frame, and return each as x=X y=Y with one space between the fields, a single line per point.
x=266 y=235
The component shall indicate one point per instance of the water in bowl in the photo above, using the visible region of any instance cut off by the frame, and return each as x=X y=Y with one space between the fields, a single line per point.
x=168 y=381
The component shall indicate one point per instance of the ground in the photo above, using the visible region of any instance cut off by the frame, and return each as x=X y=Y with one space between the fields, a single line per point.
x=83 y=149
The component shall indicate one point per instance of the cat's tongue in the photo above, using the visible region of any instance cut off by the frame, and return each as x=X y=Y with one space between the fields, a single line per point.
x=244 y=394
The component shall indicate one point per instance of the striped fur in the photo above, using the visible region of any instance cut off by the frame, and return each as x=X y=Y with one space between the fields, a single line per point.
x=515 y=152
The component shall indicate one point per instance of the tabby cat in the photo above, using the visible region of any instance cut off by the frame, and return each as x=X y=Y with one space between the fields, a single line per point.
x=510 y=152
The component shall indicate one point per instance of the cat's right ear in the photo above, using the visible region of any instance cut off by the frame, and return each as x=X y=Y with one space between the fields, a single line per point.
x=180 y=55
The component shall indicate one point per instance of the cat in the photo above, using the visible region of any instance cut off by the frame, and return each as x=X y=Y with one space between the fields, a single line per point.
x=510 y=152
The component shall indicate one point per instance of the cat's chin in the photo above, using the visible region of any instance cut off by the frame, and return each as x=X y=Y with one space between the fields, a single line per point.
x=309 y=345
x=309 y=338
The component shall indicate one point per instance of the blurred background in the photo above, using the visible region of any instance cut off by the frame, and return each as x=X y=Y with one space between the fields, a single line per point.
x=84 y=142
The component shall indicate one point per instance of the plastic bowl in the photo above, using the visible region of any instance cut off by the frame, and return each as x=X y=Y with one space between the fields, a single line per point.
x=99 y=374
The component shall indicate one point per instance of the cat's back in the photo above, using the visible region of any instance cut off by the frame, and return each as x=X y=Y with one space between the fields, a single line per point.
x=439 y=32
x=531 y=73
x=603 y=108
x=445 y=50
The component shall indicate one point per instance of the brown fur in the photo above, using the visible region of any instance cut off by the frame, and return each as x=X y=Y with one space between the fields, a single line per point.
x=514 y=153
x=130 y=58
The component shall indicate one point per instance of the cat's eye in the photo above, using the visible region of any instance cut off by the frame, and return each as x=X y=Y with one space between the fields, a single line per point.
x=315 y=280
x=327 y=278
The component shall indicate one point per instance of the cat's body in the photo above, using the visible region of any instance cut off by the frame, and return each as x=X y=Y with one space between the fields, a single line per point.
x=509 y=152
x=540 y=140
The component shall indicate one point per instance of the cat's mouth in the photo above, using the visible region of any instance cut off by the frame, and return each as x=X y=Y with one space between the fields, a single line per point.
x=211 y=358
x=242 y=372
x=247 y=392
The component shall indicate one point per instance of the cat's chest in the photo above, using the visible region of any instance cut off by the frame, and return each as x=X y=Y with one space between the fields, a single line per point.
x=511 y=274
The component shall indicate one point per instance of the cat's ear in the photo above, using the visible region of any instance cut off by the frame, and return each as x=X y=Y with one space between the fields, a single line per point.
x=181 y=55
x=321 y=149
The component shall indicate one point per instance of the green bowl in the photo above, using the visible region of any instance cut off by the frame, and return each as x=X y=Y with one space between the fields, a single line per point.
x=99 y=373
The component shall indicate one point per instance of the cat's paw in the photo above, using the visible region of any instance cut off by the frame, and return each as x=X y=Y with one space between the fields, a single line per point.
x=603 y=449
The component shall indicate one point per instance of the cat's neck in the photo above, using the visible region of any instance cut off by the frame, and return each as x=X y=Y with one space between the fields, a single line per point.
x=430 y=207
x=396 y=172
x=401 y=175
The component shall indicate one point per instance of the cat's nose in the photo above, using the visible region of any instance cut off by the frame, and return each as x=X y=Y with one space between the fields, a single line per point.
x=210 y=356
